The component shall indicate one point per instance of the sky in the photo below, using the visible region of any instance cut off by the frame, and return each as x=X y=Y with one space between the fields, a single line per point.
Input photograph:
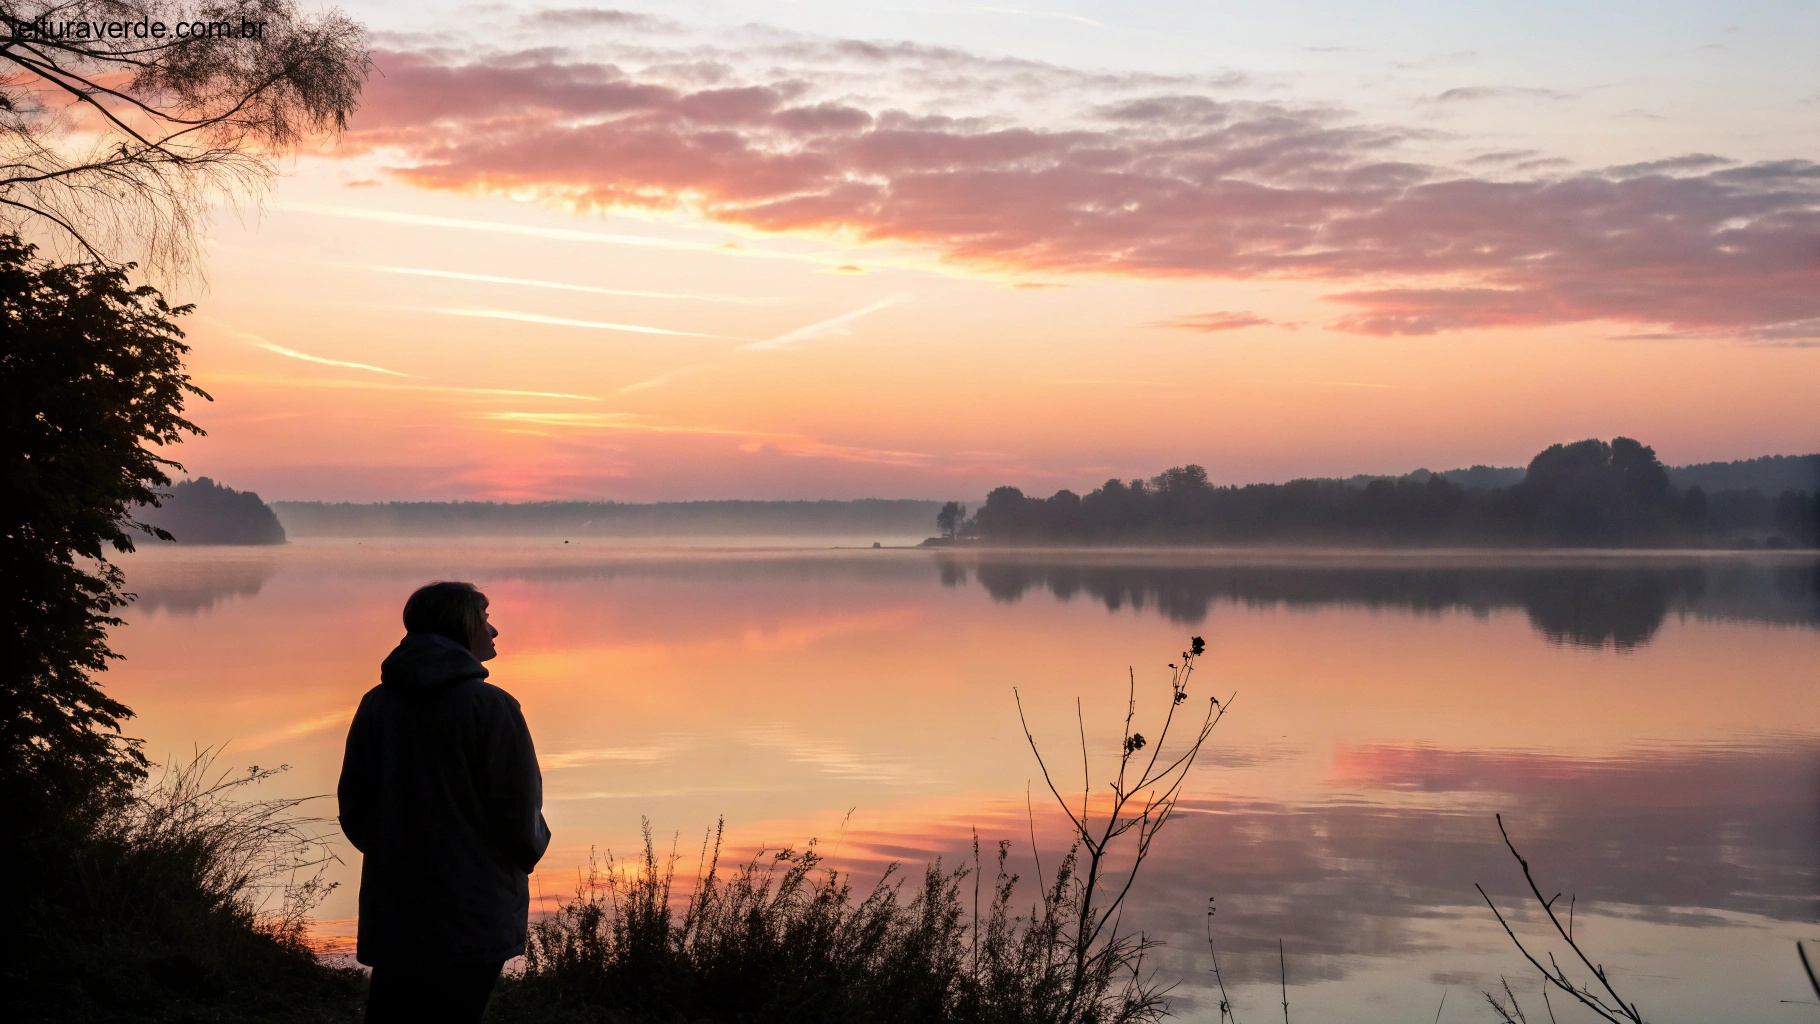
x=701 y=250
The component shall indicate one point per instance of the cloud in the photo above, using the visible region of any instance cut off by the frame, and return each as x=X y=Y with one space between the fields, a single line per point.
x=299 y=729
x=557 y=321
x=306 y=357
x=837 y=325
x=1143 y=178
x=661 y=379
x=1227 y=320
x=525 y=282
x=1471 y=93
x=537 y=231
x=751 y=441
x=1793 y=331
x=1107 y=381
x=290 y=353
x=373 y=385
x=569 y=18
x=1338 y=383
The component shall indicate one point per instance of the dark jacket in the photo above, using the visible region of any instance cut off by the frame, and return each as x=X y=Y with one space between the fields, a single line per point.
x=440 y=790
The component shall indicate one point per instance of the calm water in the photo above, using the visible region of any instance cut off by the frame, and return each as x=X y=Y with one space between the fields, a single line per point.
x=1648 y=726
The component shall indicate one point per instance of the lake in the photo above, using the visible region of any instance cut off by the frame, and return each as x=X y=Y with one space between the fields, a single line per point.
x=1647 y=724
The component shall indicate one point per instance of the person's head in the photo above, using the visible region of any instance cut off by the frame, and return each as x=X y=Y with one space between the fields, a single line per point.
x=457 y=611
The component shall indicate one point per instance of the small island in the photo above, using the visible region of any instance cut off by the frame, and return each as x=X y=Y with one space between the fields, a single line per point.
x=201 y=511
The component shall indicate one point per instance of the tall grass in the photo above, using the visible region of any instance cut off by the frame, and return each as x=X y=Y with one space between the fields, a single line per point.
x=189 y=901
x=783 y=937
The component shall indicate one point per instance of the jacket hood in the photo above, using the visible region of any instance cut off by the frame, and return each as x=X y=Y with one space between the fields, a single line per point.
x=425 y=661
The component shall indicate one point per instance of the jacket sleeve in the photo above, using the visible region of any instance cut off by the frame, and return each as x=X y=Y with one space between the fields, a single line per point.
x=516 y=789
x=354 y=792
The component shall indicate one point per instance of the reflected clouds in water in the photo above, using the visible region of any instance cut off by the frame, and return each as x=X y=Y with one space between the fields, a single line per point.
x=1690 y=836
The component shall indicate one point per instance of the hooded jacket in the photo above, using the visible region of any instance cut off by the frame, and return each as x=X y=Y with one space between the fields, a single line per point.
x=440 y=791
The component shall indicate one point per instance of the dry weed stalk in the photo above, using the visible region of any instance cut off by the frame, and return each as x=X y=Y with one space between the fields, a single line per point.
x=1140 y=805
x=1603 y=1000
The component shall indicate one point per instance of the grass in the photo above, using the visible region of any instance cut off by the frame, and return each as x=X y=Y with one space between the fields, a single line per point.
x=185 y=903
x=190 y=902
x=781 y=937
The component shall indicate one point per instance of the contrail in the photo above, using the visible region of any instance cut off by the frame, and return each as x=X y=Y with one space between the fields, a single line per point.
x=526 y=282
x=557 y=321
x=257 y=342
x=834 y=325
x=375 y=385
x=534 y=231
x=662 y=378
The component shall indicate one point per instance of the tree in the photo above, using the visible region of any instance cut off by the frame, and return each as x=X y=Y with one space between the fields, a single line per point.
x=1591 y=492
x=121 y=121
x=950 y=518
x=202 y=511
x=91 y=372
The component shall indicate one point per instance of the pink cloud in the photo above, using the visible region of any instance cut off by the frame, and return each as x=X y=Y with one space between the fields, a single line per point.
x=1225 y=320
x=1182 y=185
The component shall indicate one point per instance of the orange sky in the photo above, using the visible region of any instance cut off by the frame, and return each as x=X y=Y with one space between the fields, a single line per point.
x=800 y=267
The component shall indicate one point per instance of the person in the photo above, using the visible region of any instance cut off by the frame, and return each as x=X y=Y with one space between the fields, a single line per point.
x=441 y=792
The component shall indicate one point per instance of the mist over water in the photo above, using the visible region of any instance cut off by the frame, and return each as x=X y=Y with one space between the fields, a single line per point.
x=1645 y=724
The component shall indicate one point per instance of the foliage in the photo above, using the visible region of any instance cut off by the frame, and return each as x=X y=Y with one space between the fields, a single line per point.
x=123 y=141
x=186 y=902
x=202 y=511
x=1589 y=493
x=950 y=519
x=91 y=372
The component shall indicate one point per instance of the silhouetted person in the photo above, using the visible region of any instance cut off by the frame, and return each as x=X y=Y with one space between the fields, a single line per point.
x=440 y=790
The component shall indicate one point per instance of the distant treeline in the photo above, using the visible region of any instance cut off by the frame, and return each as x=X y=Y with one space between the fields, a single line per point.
x=870 y=517
x=201 y=511
x=1586 y=494
x=1770 y=474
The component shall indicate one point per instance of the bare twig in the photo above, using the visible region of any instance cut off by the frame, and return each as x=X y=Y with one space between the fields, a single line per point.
x=1226 y=1011
x=123 y=147
x=1611 y=1006
x=1283 y=977
x=1140 y=802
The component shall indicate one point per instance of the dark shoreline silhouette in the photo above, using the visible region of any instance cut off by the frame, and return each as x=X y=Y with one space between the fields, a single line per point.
x=202 y=511
x=1587 y=494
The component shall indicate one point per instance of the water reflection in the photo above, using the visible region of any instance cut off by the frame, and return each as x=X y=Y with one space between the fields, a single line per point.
x=1346 y=807
x=1694 y=837
x=194 y=587
x=1588 y=603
